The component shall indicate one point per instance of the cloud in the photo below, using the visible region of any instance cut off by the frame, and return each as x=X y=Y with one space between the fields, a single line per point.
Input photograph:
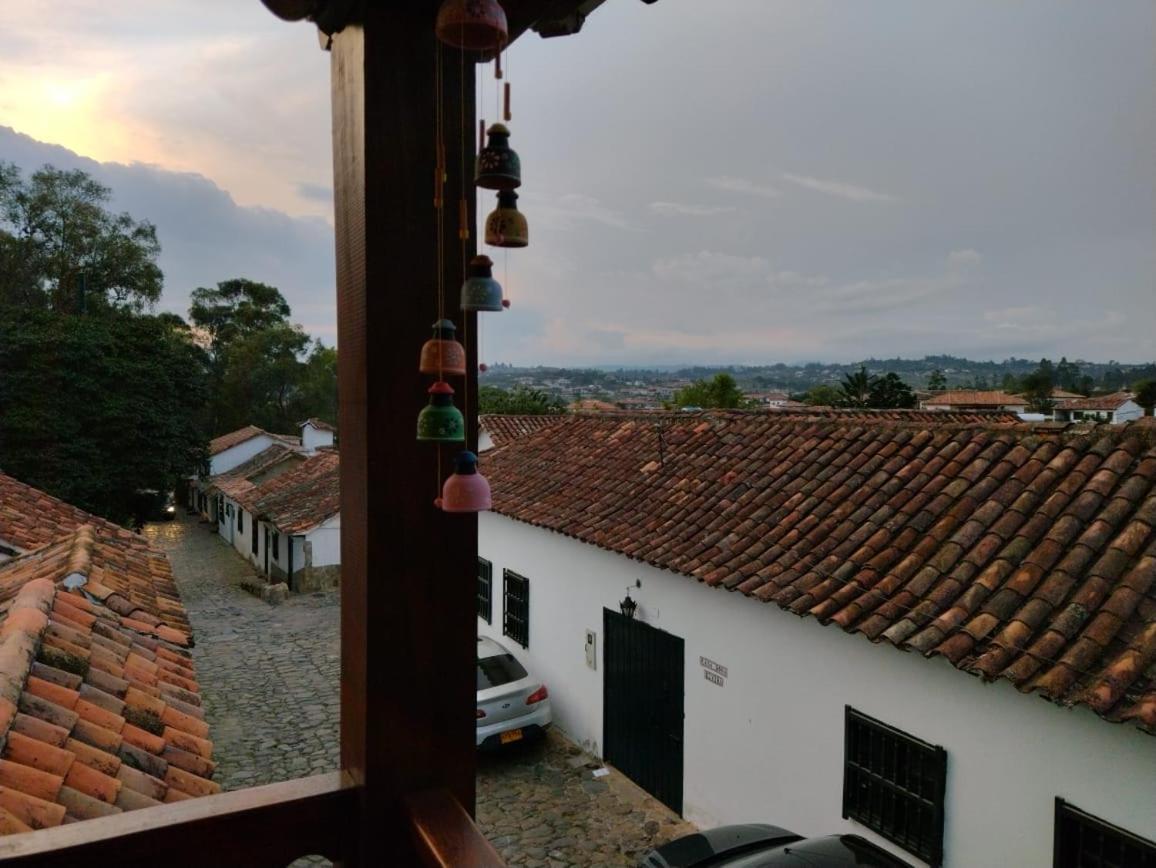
x=838 y=188
x=713 y=270
x=742 y=185
x=565 y=211
x=676 y=209
x=316 y=192
x=960 y=259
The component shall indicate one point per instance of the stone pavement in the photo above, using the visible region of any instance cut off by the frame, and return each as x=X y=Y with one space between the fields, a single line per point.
x=269 y=675
x=269 y=678
x=540 y=805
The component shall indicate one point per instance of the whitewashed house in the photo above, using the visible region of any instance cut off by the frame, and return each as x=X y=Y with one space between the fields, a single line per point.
x=228 y=492
x=316 y=434
x=226 y=453
x=962 y=628
x=974 y=399
x=1115 y=409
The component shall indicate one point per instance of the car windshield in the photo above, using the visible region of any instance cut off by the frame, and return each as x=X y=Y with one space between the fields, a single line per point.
x=498 y=670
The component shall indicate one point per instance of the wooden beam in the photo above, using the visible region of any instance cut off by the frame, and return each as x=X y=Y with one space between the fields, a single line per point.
x=445 y=835
x=262 y=826
x=408 y=569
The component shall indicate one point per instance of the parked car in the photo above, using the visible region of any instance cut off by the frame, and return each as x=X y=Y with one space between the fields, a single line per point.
x=512 y=706
x=760 y=846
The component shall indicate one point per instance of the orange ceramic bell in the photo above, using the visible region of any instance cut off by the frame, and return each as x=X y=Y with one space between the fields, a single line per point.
x=506 y=226
x=475 y=25
x=442 y=354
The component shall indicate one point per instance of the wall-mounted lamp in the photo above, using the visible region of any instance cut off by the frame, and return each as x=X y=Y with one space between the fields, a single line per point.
x=628 y=606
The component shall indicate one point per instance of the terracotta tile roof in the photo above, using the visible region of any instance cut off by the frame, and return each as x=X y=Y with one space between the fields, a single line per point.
x=592 y=405
x=1059 y=394
x=234 y=438
x=99 y=712
x=303 y=497
x=238 y=483
x=319 y=424
x=505 y=428
x=1098 y=402
x=1013 y=552
x=138 y=576
x=974 y=398
x=918 y=417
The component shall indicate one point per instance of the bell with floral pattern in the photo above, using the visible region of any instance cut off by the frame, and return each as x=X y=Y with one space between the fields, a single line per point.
x=440 y=421
x=475 y=25
x=498 y=166
x=442 y=354
x=506 y=226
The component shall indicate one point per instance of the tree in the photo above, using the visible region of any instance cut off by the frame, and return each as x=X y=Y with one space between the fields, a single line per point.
x=937 y=382
x=823 y=395
x=1067 y=374
x=519 y=401
x=719 y=392
x=96 y=408
x=62 y=249
x=890 y=393
x=855 y=390
x=1146 y=395
x=1037 y=390
x=236 y=308
x=262 y=374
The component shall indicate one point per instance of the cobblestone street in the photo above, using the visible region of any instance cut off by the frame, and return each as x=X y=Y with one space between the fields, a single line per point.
x=269 y=678
x=269 y=675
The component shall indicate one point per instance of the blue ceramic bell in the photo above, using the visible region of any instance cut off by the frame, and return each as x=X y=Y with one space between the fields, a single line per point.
x=480 y=291
x=498 y=166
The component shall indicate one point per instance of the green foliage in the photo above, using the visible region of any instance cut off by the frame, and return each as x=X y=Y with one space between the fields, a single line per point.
x=720 y=392
x=823 y=395
x=889 y=392
x=95 y=408
x=937 y=382
x=1146 y=394
x=519 y=401
x=235 y=309
x=855 y=390
x=62 y=249
x=1037 y=387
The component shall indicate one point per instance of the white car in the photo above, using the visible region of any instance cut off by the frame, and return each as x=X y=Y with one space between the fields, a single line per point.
x=512 y=706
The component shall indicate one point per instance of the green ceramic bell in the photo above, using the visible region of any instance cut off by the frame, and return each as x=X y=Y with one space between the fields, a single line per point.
x=440 y=421
x=498 y=166
x=480 y=291
x=506 y=226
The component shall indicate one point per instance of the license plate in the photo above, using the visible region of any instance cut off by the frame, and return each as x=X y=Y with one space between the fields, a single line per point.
x=512 y=735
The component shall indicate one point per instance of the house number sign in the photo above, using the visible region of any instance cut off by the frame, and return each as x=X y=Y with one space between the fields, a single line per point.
x=713 y=672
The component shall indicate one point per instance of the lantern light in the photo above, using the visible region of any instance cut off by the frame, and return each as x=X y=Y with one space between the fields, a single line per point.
x=440 y=421
x=506 y=226
x=443 y=354
x=466 y=490
x=628 y=606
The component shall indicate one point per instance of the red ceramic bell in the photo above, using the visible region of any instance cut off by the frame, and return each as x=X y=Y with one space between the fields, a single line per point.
x=466 y=490
x=442 y=354
x=475 y=25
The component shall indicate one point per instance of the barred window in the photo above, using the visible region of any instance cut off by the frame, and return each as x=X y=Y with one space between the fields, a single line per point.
x=485 y=590
x=894 y=783
x=516 y=607
x=1084 y=841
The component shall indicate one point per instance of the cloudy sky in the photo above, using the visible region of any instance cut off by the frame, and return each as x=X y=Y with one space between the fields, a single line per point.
x=733 y=181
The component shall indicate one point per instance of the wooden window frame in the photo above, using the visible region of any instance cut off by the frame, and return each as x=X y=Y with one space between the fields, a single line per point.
x=519 y=631
x=486 y=598
x=1069 y=819
x=889 y=788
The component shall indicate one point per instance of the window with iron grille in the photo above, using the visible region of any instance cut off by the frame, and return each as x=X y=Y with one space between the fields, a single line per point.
x=240 y=520
x=254 y=541
x=1084 y=841
x=485 y=590
x=894 y=783
x=276 y=545
x=516 y=607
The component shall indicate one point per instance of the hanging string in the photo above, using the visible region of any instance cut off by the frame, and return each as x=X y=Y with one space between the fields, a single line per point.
x=464 y=216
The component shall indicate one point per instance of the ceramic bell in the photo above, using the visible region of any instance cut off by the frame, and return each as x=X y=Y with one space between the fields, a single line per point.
x=442 y=354
x=480 y=291
x=498 y=166
x=475 y=25
x=506 y=226
x=440 y=421
x=466 y=490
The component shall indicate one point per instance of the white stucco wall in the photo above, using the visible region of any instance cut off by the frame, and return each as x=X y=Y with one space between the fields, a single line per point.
x=326 y=541
x=768 y=746
x=225 y=461
x=312 y=437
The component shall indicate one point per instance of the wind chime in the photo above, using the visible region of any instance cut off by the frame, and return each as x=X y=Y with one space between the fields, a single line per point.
x=478 y=27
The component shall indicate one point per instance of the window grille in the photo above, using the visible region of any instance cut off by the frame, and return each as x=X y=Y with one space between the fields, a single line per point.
x=485 y=590
x=516 y=607
x=894 y=784
x=1084 y=841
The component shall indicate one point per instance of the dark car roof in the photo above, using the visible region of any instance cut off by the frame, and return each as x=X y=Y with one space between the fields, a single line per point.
x=760 y=846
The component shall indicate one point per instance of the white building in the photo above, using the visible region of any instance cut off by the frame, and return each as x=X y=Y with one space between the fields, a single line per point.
x=226 y=453
x=975 y=399
x=1115 y=409
x=1013 y=555
x=316 y=434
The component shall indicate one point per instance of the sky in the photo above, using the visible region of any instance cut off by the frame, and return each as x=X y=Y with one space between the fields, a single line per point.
x=724 y=182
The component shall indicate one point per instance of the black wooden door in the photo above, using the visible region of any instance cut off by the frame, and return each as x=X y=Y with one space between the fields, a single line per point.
x=642 y=707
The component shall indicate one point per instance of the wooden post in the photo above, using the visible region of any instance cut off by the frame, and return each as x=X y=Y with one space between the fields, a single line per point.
x=408 y=569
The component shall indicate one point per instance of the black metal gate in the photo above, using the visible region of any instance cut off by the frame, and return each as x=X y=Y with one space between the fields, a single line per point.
x=643 y=705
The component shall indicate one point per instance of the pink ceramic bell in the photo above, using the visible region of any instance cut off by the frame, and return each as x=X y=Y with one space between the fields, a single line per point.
x=475 y=25
x=466 y=490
